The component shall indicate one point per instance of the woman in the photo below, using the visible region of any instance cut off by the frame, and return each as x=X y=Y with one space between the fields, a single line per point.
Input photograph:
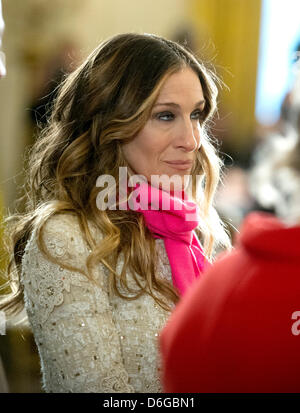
x=99 y=283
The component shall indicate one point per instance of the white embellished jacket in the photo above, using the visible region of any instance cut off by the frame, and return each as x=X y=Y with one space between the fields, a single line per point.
x=87 y=340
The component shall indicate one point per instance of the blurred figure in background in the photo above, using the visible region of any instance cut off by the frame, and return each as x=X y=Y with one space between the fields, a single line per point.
x=274 y=185
x=238 y=330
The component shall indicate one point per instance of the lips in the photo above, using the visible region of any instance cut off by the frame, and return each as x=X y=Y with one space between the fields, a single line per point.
x=178 y=164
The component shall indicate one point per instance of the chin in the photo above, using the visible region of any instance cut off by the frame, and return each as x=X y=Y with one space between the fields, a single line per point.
x=170 y=183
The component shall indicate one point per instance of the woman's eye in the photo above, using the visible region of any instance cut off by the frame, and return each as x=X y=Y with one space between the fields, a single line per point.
x=165 y=116
x=198 y=115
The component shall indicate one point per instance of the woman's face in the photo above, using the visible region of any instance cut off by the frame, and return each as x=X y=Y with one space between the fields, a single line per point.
x=169 y=141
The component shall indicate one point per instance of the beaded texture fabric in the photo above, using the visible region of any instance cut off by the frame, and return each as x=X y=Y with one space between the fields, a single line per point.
x=89 y=341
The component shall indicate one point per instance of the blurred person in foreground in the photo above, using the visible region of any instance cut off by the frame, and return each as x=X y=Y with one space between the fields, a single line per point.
x=238 y=329
x=99 y=280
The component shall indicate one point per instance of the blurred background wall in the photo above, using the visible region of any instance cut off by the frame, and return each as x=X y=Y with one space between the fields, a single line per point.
x=44 y=38
x=228 y=33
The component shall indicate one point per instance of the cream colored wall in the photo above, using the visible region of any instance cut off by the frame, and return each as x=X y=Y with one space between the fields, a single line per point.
x=153 y=16
x=35 y=28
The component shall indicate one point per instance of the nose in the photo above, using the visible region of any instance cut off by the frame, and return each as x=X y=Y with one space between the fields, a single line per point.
x=189 y=136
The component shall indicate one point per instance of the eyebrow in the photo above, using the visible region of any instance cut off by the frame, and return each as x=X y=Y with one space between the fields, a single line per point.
x=201 y=102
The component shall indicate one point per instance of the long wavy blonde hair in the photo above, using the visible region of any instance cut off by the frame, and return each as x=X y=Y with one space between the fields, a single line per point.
x=104 y=103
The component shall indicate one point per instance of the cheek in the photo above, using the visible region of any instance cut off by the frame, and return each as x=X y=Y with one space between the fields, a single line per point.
x=149 y=144
x=141 y=154
x=145 y=152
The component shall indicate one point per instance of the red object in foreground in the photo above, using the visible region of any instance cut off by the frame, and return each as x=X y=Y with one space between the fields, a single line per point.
x=238 y=327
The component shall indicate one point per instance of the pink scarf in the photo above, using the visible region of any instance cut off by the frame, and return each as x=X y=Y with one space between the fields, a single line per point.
x=175 y=226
